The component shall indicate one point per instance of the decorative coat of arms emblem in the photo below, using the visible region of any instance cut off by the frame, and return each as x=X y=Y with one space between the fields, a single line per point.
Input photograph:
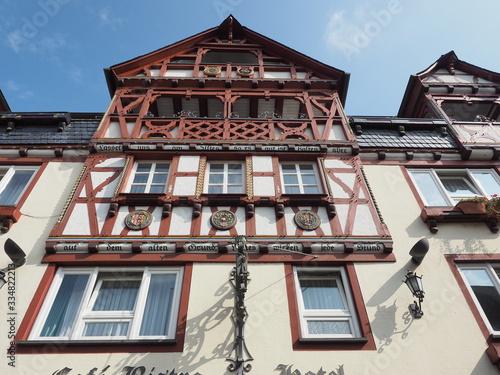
x=307 y=220
x=138 y=219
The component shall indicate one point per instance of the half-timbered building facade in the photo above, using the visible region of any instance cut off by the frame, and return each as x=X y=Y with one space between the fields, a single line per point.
x=226 y=216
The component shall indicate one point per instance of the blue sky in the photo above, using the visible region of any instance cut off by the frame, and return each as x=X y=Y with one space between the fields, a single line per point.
x=53 y=52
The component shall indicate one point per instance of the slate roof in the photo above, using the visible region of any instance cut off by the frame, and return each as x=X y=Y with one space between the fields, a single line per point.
x=418 y=133
x=39 y=130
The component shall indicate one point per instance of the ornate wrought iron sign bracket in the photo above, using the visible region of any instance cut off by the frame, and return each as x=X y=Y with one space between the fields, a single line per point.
x=239 y=280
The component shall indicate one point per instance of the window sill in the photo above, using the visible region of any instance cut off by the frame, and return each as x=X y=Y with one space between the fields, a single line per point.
x=493 y=350
x=153 y=199
x=98 y=346
x=332 y=340
x=356 y=343
x=8 y=216
x=305 y=199
x=434 y=215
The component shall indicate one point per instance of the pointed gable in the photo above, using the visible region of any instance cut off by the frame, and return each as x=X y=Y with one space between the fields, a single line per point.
x=228 y=51
x=447 y=75
x=4 y=106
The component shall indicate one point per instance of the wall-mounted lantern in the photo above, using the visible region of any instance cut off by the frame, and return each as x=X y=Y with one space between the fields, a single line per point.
x=416 y=287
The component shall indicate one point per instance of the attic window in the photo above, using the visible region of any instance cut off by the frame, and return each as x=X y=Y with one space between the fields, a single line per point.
x=233 y=57
x=182 y=60
x=476 y=111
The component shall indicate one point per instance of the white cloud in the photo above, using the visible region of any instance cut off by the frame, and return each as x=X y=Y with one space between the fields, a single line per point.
x=108 y=18
x=12 y=85
x=19 y=90
x=76 y=74
x=353 y=31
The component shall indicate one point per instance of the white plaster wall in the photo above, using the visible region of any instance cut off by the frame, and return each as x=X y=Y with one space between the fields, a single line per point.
x=262 y=163
x=265 y=221
x=447 y=336
x=363 y=223
x=263 y=186
x=78 y=221
x=185 y=186
x=188 y=163
x=113 y=130
x=100 y=177
x=181 y=221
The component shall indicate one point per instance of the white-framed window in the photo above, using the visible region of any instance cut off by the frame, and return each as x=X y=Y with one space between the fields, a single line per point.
x=300 y=178
x=446 y=187
x=325 y=304
x=110 y=304
x=225 y=178
x=149 y=177
x=13 y=182
x=483 y=282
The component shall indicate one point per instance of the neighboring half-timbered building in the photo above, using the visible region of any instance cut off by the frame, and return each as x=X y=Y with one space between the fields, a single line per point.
x=225 y=216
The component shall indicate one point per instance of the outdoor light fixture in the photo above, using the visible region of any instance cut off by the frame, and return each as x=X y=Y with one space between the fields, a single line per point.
x=414 y=282
x=16 y=254
x=419 y=250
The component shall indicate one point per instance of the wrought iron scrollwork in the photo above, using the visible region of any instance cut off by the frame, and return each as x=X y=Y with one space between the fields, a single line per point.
x=239 y=280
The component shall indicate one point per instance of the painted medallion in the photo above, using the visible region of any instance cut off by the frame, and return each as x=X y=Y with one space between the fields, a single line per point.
x=138 y=219
x=307 y=220
x=223 y=220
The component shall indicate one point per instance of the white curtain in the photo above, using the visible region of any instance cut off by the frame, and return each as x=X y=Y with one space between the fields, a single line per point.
x=321 y=294
x=117 y=295
x=158 y=307
x=15 y=187
x=61 y=318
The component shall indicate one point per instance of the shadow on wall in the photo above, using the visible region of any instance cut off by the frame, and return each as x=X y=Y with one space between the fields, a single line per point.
x=385 y=324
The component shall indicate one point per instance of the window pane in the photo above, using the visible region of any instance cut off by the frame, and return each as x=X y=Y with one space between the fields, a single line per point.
x=459 y=185
x=160 y=179
x=216 y=179
x=138 y=189
x=15 y=187
x=162 y=168
x=215 y=189
x=61 y=318
x=217 y=168
x=486 y=293
x=311 y=190
x=106 y=329
x=309 y=180
x=306 y=168
x=234 y=179
x=292 y=190
x=143 y=167
x=430 y=191
x=117 y=295
x=290 y=179
x=234 y=189
x=287 y=168
x=157 y=189
x=488 y=182
x=140 y=179
x=158 y=307
x=322 y=327
x=321 y=294
x=234 y=168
